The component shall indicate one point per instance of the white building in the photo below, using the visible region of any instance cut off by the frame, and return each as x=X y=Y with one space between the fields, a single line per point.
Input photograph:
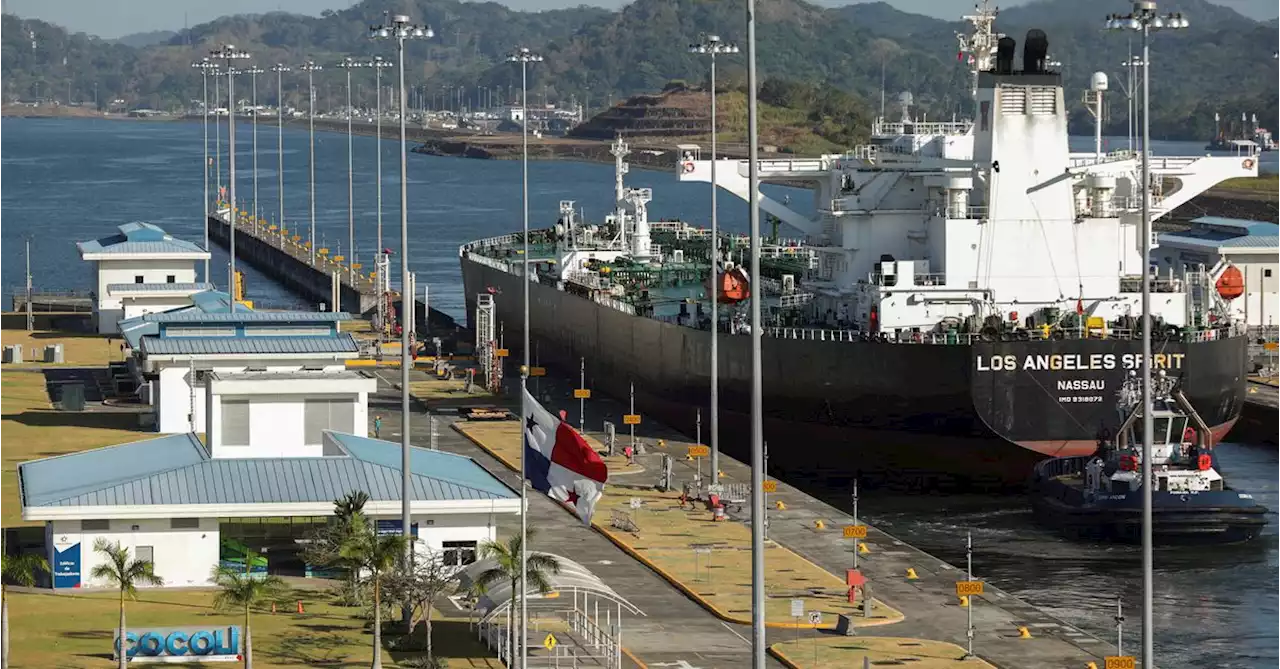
x=141 y=267
x=170 y=348
x=168 y=499
x=1252 y=246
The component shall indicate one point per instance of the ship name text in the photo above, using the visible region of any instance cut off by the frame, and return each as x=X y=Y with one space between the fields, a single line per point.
x=1074 y=362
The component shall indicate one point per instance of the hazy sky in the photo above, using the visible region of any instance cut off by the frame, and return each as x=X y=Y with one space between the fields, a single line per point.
x=115 y=18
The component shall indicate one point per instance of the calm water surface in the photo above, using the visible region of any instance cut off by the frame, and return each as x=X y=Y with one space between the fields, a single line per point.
x=73 y=180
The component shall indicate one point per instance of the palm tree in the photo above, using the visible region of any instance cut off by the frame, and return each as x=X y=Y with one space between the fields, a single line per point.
x=126 y=574
x=506 y=557
x=349 y=505
x=21 y=569
x=241 y=590
x=372 y=556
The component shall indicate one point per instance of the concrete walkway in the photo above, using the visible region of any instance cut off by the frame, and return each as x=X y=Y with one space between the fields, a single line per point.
x=674 y=630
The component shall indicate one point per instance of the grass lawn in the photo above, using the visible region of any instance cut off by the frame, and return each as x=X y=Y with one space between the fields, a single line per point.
x=31 y=428
x=1267 y=183
x=75 y=631
x=85 y=350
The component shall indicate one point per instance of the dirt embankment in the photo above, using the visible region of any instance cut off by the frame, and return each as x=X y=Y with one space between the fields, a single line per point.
x=1255 y=206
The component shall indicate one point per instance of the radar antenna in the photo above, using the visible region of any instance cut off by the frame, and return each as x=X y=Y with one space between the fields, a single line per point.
x=978 y=46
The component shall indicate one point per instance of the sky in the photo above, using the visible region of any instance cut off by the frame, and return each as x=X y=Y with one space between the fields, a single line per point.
x=115 y=18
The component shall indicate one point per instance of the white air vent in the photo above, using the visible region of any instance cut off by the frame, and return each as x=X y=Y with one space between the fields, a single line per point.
x=1044 y=101
x=1013 y=101
x=677 y=256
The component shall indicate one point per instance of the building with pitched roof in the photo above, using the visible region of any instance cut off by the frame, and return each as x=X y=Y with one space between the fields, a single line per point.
x=1252 y=246
x=185 y=506
x=141 y=269
x=178 y=354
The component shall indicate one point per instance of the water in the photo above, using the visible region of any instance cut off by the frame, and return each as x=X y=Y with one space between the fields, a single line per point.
x=72 y=180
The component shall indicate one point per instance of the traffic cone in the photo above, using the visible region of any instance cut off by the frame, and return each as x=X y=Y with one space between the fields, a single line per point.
x=964 y=601
x=780 y=506
x=862 y=549
x=911 y=574
x=819 y=525
x=1024 y=633
x=300 y=606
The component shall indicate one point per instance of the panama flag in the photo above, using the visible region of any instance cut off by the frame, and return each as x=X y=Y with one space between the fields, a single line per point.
x=559 y=462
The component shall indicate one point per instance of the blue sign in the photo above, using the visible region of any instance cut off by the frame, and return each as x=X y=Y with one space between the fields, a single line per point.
x=396 y=527
x=197 y=643
x=66 y=564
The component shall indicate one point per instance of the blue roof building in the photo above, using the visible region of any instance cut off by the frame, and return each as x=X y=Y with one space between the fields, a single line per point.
x=141 y=269
x=1213 y=242
x=168 y=498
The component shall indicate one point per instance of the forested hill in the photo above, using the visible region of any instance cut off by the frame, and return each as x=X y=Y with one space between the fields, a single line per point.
x=1224 y=62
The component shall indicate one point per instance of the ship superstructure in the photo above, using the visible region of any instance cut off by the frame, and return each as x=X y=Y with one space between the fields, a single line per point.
x=963 y=285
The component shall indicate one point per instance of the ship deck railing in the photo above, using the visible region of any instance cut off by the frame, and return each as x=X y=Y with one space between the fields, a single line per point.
x=968 y=338
x=937 y=279
x=882 y=128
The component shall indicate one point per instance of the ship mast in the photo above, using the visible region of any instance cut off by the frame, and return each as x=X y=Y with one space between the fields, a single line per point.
x=980 y=43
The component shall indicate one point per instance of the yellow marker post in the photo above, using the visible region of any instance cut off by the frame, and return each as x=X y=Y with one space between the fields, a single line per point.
x=631 y=419
x=501 y=353
x=769 y=486
x=537 y=371
x=550 y=642
x=1119 y=662
x=698 y=451
x=968 y=588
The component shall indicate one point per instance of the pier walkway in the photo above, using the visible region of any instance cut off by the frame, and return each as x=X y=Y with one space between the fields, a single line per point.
x=284 y=255
x=803 y=562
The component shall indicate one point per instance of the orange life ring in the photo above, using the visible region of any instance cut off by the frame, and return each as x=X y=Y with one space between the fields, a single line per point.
x=1248 y=163
x=688 y=166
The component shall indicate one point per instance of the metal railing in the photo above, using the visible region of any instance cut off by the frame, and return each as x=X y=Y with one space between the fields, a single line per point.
x=300 y=250
x=934 y=279
x=903 y=336
x=894 y=128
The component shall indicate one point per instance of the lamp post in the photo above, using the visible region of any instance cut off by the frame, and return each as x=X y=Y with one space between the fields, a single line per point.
x=378 y=63
x=217 y=138
x=399 y=29
x=757 y=404
x=253 y=73
x=280 y=69
x=524 y=56
x=1144 y=19
x=712 y=45
x=229 y=54
x=349 y=64
x=206 y=68
x=311 y=68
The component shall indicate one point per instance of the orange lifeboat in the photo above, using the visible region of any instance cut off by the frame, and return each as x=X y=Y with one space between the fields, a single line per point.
x=732 y=286
x=1231 y=283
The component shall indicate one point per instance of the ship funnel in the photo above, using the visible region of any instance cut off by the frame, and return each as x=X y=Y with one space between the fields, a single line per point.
x=1004 y=55
x=1035 y=51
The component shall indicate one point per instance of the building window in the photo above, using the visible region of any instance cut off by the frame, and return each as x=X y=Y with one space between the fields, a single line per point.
x=95 y=525
x=459 y=553
x=319 y=415
x=1266 y=273
x=171 y=278
x=137 y=278
x=184 y=523
x=145 y=554
x=235 y=422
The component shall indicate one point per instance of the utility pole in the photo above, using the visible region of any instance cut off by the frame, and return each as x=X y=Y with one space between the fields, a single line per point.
x=280 y=69
x=31 y=319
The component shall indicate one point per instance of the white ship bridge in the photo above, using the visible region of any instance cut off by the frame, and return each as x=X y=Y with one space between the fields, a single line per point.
x=937 y=221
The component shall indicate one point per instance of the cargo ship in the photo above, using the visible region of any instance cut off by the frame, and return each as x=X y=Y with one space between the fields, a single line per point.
x=963 y=303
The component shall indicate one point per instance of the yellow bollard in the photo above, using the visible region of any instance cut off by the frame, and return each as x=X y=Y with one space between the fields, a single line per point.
x=1091 y=665
x=819 y=525
x=863 y=549
x=720 y=474
x=964 y=601
x=911 y=574
x=780 y=506
x=1024 y=633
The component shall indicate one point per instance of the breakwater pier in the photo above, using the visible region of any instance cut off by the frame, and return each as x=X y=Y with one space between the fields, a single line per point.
x=286 y=257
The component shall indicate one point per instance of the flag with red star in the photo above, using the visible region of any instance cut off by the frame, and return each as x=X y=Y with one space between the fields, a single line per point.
x=559 y=462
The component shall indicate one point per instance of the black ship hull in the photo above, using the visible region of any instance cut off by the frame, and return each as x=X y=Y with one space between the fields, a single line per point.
x=922 y=414
x=1203 y=518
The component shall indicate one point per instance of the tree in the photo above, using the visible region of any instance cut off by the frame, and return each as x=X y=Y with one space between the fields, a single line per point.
x=240 y=589
x=427 y=581
x=506 y=557
x=349 y=505
x=324 y=545
x=126 y=574
x=372 y=557
x=21 y=569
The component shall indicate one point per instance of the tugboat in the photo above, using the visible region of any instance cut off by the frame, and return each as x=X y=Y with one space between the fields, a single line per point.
x=1099 y=496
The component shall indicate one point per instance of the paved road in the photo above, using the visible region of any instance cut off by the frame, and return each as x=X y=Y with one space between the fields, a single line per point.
x=674 y=629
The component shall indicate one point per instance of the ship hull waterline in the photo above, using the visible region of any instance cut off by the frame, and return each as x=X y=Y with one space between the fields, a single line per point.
x=913 y=415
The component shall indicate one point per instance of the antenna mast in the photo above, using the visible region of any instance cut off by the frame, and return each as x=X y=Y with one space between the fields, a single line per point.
x=980 y=43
